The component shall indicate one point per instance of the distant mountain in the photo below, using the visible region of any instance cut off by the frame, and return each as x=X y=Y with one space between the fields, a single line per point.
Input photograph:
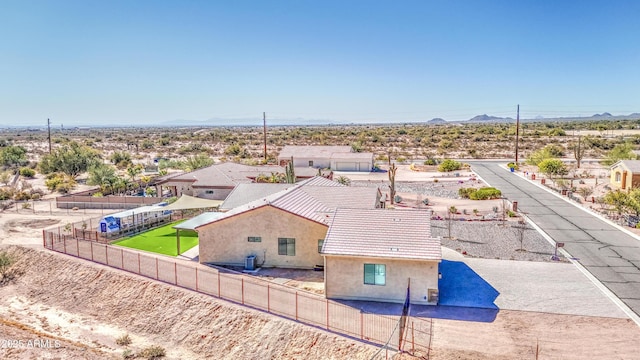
x=603 y=115
x=436 y=121
x=488 y=118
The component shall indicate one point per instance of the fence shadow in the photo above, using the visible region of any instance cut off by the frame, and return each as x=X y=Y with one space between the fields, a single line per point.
x=425 y=311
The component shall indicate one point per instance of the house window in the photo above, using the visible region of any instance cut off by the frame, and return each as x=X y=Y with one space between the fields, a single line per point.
x=310 y=162
x=287 y=246
x=320 y=243
x=208 y=192
x=254 y=239
x=618 y=177
x=375 y=274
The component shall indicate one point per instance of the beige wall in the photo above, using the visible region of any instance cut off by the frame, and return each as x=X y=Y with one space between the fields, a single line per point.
x=218 y=193
x=344 y=279
x=225 y=242
x=182 y=187
x=628 y=180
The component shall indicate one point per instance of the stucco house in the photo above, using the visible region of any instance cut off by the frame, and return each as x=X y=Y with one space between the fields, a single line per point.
x=217 y=181
x=373 y=254
x=285 y=229
x=337 y=158
x=625 y=174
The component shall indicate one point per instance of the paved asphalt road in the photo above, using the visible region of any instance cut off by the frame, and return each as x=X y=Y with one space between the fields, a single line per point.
x=611 y=255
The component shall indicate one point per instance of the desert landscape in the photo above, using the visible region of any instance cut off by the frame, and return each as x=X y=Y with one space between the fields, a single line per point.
x=85 y=308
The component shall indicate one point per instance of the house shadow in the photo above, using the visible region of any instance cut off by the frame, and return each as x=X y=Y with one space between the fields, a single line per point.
x=464 y=295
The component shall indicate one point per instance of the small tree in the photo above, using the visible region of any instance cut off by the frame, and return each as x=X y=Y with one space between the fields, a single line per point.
x=553 y=168
x=450 y=212
x=585 y=192
x=343 y=180
x=619 y=152
x=520 y=228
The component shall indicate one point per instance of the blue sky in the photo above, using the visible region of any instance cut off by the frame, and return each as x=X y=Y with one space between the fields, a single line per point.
x=149 y=62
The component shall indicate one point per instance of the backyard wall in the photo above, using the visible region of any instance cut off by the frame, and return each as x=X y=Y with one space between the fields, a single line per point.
x=344 y=279
x=225 y=242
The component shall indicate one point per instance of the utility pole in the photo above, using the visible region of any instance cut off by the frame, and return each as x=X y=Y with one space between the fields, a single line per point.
x=49 y=132
x=517 y=131
x=264 y=122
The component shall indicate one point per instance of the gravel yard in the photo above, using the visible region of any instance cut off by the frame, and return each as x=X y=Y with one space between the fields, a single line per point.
x=492 y=240
x=442 y=189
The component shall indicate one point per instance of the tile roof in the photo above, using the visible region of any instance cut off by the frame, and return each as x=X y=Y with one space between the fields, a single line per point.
x=397 y=233
x=226 y=174
x=632 y=165
x=246 y=193
x=312 y=151
x=314 y=199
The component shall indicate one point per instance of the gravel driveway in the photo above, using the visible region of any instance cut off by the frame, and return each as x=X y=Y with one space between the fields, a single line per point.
x=492 y=240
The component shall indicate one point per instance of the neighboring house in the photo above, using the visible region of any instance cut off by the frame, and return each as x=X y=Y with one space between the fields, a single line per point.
x=338 y=158
x=625 y=174
x=217 y=181
x=372 y=254
x=246 y=193
x=285 y=229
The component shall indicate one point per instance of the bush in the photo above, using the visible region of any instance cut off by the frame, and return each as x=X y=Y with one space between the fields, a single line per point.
x=485 y=193
x=465 y=193
x=511 y=213
x=425 y=201
x=27 y=172
x=6 y=261
x=153 y=352
x=431 y=162
x=449 y=165
x=124 y=340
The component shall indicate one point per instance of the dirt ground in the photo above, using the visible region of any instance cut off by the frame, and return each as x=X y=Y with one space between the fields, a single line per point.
x=87 y=316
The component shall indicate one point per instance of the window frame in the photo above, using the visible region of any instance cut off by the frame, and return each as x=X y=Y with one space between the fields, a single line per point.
x=320 y=244
x=287 y=246
x=376 y=274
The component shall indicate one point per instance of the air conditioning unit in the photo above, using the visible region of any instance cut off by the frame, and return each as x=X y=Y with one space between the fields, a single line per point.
x=250 y=263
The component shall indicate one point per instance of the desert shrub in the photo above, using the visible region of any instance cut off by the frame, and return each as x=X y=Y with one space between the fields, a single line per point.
x=128 y=354
x=449 y=165
x=431 y=162
x=27 y=172
x=60 y=182
x=21 y=196
x=465 y=193
x=6 y=261
x=153 y=352
x=124 y=340
x=511 y=213
x=425 y=201
x=6 y=194
x=485 y=193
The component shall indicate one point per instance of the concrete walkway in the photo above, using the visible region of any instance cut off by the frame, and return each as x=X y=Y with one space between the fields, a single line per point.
x=607 y=253
x=558 y=288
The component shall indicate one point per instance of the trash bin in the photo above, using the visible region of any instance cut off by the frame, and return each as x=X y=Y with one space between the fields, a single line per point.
x=533 y=176
x=542 y=181
x=512 y=169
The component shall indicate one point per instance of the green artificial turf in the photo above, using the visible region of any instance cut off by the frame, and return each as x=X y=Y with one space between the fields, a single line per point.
x=161 y=240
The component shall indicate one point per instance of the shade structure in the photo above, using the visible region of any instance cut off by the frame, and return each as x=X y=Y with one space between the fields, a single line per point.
x=201 y=219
